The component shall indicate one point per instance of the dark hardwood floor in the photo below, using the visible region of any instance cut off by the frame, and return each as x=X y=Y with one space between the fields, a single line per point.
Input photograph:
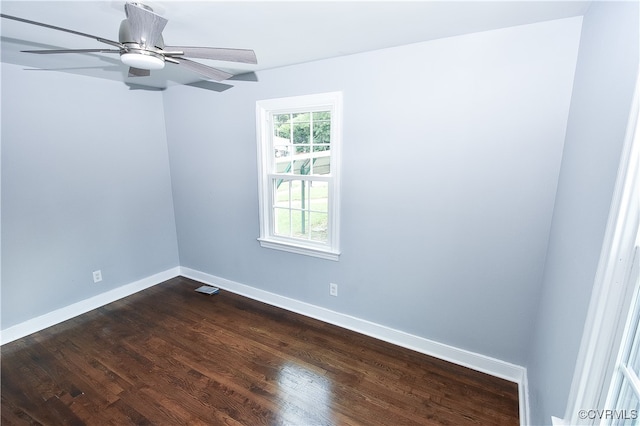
x=171 y=356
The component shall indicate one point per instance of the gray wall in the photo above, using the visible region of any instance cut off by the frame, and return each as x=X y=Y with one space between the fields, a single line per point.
x=604 y=81
x=84 y=187
x=452 y=151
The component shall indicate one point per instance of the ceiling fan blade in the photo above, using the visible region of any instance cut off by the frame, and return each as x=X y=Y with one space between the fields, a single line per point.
x=205 y=70
x=210 y=85
x=246 y=56
x=53 y=27
x=41 y=52
x=138 y=72
x=145 y=26
x=134 y=86
x=247 y=76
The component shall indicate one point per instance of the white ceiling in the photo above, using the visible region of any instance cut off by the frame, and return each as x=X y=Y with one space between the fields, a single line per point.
x=281 y=33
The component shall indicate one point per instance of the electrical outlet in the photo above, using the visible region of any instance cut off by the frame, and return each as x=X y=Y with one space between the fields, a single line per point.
x=333 y=289
x=97 y=276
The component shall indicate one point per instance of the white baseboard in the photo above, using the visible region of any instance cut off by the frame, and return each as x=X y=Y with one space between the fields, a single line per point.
x=60 y=315
x=475 y=361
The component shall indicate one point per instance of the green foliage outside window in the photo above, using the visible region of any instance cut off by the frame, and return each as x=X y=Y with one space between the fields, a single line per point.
x=304 y=125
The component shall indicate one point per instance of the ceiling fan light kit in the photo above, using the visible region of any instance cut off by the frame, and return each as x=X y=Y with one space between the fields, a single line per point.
x=142 y=49
x=143 y=60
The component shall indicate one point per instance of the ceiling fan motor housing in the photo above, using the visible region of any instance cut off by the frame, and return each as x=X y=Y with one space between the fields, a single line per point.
x=137 y=56
x=125 y=37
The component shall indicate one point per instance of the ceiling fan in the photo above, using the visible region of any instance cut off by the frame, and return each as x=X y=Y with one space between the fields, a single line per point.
x=141 y=46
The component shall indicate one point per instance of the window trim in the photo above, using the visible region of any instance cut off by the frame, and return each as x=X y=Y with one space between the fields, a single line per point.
x=610 y=302
x=266 y=108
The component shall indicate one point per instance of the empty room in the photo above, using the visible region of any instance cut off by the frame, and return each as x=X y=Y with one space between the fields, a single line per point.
x=319 y=213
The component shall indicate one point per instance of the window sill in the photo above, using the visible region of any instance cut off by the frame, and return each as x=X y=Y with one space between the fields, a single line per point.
x=300 y=249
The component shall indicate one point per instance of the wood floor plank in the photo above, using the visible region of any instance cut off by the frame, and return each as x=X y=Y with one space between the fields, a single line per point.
x=12 y=415
x=169 y=355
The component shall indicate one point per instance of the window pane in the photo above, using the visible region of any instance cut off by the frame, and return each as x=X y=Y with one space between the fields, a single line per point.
x=322 y=115
x=283 y=165
x=282 y=222
x=282 y=125
x=302 y=149
x=281 y=147
x=624 y=414
x=282 y=193
x=321 y=160
x=319 y=228
x=282 y=118
x=281 y=141
x=302 y=167
x=300 y=194
x=319 y=196
x=321 y=129
x=301 y=117
x=300 y=224
x=301 y=132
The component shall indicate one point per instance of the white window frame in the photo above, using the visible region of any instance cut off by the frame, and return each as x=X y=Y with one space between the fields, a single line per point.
x=265 y=109
x=625 y=376
x=610 y=306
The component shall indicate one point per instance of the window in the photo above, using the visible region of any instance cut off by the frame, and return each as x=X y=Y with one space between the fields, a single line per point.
x=299 y=167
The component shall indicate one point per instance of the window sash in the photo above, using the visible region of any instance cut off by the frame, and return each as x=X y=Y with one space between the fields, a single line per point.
x=305 y=209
